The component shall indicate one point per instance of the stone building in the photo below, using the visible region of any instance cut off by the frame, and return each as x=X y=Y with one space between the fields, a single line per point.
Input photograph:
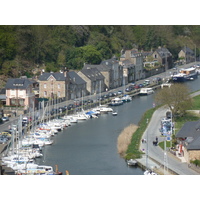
x=136 y=58
x=77 y=86
x=128 y=71
x=186 y=55
x=106 y=71
x=163 y=57
x=116 y=72
x=53 y=85
x=94 y=80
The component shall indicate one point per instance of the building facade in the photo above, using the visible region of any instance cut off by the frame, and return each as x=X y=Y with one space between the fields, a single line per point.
x=128 y=71
x=116 y=72
x=136 y=58
x=186 y=55
x=163 y=57
x=94 y=80
x=19 y=93
x=77 y=86
x=53 y=85
x=105 y=71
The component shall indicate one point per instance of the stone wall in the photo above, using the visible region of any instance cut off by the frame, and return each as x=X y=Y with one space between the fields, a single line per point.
x=194 y=154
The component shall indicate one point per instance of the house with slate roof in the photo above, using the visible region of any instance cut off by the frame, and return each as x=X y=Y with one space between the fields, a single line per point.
x=77 y=86
x=94 y=80
x=52 y=85
x=19 y=92
x=136 y=58
x=189 y=140
x=186 y=55
x=163 y=56
x=106 y=71
x=116 y=72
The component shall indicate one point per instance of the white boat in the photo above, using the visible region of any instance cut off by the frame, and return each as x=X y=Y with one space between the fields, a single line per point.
x=149 y=172
x=39 y=170
x=146 y=91
x=102 y=109
x=81 y=117
x=14 y=158
x=114 y=113
x=22 y=165
x=116 y=102
x=126 y=98
x=71 y=118
x=131 y=162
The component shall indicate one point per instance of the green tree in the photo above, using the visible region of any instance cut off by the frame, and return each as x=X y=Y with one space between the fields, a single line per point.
x=91 y=54
x=7 y=43
x=177 y=98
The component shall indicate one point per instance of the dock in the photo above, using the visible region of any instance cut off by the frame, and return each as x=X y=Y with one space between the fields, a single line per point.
x=154 y=166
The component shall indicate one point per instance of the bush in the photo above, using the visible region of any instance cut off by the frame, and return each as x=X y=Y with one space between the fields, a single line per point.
x=196 y=162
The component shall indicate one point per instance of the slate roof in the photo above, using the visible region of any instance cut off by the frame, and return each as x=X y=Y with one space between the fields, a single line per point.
x=75 y=78
x=100 y=67
x=163 y=52
x=187 y=50
x=127 y=62
x=19 y=83
x=109 y=62
x=57 y=75
x=191 y=131
x=93 y=74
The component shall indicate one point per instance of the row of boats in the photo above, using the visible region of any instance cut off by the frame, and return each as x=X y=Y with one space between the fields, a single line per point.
x=24 y=149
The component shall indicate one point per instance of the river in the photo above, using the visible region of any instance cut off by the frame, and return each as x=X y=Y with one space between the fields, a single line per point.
x=90 y=147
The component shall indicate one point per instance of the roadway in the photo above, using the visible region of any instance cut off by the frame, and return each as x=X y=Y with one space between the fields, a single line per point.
x=156 y=152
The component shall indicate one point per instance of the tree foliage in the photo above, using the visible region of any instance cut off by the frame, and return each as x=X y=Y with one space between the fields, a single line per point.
x=25 y=47
x=176 y=97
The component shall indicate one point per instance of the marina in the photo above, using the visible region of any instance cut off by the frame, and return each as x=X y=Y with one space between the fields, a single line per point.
x=88 y=146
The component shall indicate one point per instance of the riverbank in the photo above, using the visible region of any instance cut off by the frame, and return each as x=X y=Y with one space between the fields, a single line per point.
x=124 y=139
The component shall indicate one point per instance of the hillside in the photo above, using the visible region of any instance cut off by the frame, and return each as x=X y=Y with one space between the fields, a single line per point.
x=24 y=48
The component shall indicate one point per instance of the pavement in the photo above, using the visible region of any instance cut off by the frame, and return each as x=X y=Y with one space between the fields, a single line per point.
x=170 y=161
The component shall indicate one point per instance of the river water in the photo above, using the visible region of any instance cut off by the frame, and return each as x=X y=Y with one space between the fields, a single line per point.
x=90 y=147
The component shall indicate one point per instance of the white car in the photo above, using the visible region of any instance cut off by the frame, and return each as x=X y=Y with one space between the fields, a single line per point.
x=4 y=119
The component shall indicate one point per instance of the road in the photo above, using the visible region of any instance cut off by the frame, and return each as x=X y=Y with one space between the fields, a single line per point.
x=156 y=152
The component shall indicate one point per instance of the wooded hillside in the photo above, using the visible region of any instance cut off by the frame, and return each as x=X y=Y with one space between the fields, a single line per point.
x=24 y=48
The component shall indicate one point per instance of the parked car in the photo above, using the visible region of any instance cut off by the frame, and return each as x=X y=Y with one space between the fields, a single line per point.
x=141 y=85
x=4 y=119
x=119 y=92
x=3 y=139
x=136 y=86
x=110 y=94
x=61 y=109
x=90 y=101
x=128 y=89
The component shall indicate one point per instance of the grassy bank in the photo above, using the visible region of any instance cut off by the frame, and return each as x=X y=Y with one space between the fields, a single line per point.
x=133 y=149
x=124 y=139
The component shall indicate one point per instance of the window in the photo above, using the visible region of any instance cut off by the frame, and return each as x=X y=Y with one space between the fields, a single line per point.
x=13 y=92
x=58 y=86
x=45 y=93
x=58 y=93
x=45 y=85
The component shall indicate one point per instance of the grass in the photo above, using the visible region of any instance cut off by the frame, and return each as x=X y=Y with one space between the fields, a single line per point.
x=168 y=144
x=133 y=149
x=196 y=103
